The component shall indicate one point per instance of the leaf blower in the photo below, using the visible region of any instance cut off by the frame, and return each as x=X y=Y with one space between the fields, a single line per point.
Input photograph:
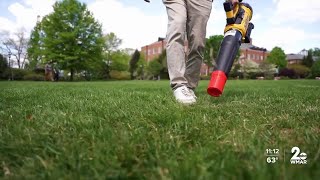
x=237 y=30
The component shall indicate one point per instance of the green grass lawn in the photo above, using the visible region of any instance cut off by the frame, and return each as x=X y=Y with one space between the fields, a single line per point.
x=136 y=130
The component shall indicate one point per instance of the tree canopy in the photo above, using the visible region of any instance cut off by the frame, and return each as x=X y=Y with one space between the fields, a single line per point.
x=211 y=49
x=34 y=46
x=277 y=57
x=308 y=60
x=72 y=37
x=133 y=63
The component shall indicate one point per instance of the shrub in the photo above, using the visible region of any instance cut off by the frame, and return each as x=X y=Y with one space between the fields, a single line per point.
x=300 y=70
x=284 y=78
x=120 y=75
x=154 y=68
x=287 y=73
x=315 y=69
x=255 y=75
x=17 y=74
x=39 y=70
x=204 y=77
x=33 y=77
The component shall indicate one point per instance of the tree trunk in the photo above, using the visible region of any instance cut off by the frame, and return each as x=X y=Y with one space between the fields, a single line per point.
x=71 y=75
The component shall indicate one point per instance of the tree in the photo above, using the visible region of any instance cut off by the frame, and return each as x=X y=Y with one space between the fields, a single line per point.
x=308 y=61
x=142 y=64
x=133 y=63
x=277 y=57
x=301 y=71
x=162 y=59
x=154 y=67
x=315 y=69
x=267 y=69
x=119 y=61
x=112 y=42
x=34 y=47
x=235 y=70
x=211 y=49
x=17 y=46
x=111 y=45
x=3 y=65
x=249 y=67
x=72 y=37
x=316 y=52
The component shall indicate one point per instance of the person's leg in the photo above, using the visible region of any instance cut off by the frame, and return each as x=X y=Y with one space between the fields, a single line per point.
x=176 y=34
x=198 y=15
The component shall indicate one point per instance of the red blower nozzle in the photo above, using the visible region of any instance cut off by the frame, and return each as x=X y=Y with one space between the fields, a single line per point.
x=217 y=82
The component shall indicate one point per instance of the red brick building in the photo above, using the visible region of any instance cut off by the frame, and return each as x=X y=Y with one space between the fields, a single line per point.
x=153 y=50
x=252 y=53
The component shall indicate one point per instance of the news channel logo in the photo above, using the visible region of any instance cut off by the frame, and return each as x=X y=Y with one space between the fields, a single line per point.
x=298 y=157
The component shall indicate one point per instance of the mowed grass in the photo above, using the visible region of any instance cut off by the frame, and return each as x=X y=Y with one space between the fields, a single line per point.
x=136 y=130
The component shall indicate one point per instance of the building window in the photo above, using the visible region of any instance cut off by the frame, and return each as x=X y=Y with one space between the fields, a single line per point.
x=159 y=50
x=149 y=51
x=261 y=58
x=253 y=57
x=249 y=56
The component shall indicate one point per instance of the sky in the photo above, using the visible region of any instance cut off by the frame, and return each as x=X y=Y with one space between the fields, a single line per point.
x=290 y=24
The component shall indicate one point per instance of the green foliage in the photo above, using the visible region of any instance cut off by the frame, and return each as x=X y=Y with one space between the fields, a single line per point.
x=315 y=69
x=308 y=61
x=141 y=67
x=267 y=70
x=235 y=70
x=285 y=72
x=3 y=66
x=300 y=70
x=212 y=49
x=277 y=57
x=249 y=67
x=133 y=63
x=72 y=37
x=162 y=59
x=112 y=42
x=284 y=78
x=34 y=47
x=33 y=77
x=100 y=72
x=120 y=75
x=17 y=74
x=154 y=68
x=119 y=61
x=204 y=77
x=316 y=52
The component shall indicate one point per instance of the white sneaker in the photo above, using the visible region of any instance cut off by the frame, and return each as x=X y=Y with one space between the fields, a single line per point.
x=192 y=93
x=183 y=95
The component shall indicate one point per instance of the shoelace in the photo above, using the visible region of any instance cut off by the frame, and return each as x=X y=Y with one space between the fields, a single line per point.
x=186 y=92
